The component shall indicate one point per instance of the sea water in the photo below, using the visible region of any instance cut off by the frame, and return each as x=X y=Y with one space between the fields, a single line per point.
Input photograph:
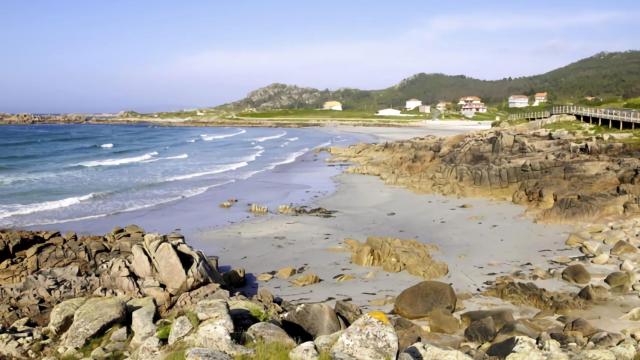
x=56 y=174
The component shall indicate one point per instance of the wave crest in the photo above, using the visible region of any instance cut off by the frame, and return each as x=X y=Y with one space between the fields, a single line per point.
x=22 y=209
x=121 y=161
x=206 y=137
x=265 y=138
x=218 y=170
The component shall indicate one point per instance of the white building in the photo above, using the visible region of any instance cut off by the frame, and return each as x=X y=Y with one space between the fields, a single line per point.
x=332 y=105
x=539 y=98
x=471 y=108
x=469 y=100
x=424 y=109
x=388 y=112
x=518 y=101
x=412 y=104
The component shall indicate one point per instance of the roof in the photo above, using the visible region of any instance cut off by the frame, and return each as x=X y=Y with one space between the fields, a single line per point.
x=518 y=97
x=473 y=97
x=332 y=102
x=414 y=100
x=540 y=94
x=474 y=106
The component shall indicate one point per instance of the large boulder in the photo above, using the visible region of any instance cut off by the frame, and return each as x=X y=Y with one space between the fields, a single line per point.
x=499 y=316
x=311 y=320
x=370 y=337
x=170 y=269
x=419 y=300
x=481 y=331
x=180 y=328
x=348 y=311
x=61 y=316
x=142 y=320
x=576 y=274
x=619 y=281
x=92 y=317
x=269 y=333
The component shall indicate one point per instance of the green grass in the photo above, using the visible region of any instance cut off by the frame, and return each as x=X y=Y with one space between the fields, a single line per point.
x=163 y=332
x=193 y=318
x=176 y=355
x=259 y=314
x=271 y=351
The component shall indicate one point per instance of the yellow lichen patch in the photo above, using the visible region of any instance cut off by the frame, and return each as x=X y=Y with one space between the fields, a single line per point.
x=379 y=315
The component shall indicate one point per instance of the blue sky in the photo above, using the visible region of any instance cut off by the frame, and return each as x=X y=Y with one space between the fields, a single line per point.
x=106 y=56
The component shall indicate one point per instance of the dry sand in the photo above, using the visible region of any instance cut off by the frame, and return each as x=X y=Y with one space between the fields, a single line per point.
x=478 y=242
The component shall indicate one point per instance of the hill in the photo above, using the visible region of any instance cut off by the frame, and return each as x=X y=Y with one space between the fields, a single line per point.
x=602 y=75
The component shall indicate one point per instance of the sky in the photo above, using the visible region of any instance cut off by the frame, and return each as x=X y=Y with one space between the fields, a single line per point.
x=156 y=55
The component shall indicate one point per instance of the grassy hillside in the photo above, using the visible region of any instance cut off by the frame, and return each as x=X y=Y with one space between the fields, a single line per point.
x=604 y=75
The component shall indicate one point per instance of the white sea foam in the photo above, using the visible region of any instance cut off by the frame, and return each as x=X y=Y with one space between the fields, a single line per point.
x=293 y=139
x=325 y=144
x=106 y=146
x=291 y=158
x=122 y=161
x=191 y=140
x=186 y=194
x=265 y=138
x=25 y=209
x=177 y=157
x=255 y=155
x=217 y=170
x=181 y=156
x=206 y=137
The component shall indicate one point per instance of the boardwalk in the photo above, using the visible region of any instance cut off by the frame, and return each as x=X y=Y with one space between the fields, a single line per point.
x=618 y=118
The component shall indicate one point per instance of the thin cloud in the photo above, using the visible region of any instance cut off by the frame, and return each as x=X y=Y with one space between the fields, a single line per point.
x=436 y=46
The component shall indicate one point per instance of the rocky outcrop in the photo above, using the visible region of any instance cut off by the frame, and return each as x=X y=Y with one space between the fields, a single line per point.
x=41 y=269
x=516 y=164
x=395 y=255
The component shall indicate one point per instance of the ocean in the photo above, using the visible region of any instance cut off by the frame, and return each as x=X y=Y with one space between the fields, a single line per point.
x=59 y=174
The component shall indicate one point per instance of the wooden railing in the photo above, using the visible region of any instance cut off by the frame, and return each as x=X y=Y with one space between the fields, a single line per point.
x=621 y=115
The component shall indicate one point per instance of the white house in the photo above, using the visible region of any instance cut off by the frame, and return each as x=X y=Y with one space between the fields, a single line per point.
x=412 y=104
x=388 y=112
x=539 y=98
x=424 y=109
x=471 y=108
x=518 y=101
x=469 y=100
x=332 y=105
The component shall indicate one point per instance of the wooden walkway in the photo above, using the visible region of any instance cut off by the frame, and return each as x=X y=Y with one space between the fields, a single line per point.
x=619 y=118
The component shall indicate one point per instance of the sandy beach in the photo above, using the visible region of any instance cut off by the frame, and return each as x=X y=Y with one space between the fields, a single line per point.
x=479 y=239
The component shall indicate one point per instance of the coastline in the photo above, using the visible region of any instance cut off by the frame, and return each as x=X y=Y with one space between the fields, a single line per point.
x=497 y=260
x=466 y=238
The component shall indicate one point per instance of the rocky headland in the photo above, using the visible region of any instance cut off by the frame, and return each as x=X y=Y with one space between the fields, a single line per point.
x=559 y=175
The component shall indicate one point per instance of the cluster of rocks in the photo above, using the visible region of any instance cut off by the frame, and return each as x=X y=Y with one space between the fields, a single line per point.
x=546 y=170
x=134 y=295
x=289 y=209
x=395 y=255
x=25 y=118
